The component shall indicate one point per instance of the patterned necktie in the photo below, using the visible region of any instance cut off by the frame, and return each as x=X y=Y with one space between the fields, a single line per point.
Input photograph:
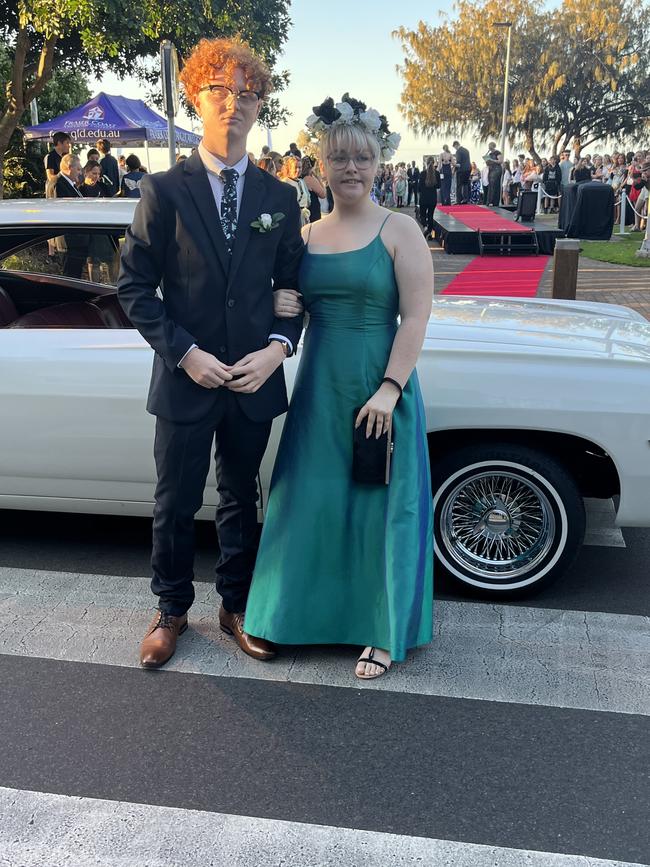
x=229 y=206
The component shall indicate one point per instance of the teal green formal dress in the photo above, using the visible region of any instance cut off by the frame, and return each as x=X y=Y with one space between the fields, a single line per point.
x=342 y=562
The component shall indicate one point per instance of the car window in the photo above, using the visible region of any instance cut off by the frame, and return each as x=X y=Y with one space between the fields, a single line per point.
x=92 y=256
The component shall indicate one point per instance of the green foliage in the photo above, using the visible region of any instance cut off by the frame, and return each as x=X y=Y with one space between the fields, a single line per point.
x=576 y=72
x=24 y=174
x=119 y=34
x=66 y=89
x=124 y=37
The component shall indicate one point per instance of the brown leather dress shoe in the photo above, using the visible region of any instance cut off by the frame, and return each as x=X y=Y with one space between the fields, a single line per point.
x=233 y=624
x=159 y=644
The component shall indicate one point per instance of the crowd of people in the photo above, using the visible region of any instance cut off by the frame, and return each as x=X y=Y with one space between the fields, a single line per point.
x=451 y=178
x=448 y=178
x=101 y=175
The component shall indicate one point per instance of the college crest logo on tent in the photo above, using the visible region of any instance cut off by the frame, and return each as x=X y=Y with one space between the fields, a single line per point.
x=94 y=113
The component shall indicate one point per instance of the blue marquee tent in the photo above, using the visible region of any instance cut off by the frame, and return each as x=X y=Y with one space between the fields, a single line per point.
x=120 y=120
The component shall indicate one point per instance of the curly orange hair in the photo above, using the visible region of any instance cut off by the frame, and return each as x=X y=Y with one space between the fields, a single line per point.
x=224 y=55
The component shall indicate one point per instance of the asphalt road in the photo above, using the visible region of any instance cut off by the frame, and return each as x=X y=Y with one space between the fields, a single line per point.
x=615 y=580
x=520 y=737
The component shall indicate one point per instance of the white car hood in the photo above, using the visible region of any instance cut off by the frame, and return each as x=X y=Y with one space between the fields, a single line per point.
x=547 y=327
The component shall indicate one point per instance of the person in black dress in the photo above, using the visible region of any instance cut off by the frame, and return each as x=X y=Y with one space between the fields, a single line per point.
x=552 y=178
x=494 y=160
x=429 y=182
x=102 y=248
x=92 y=186
x=581 y=172
x=446 y=172
x=413 y=175
x=315 y=187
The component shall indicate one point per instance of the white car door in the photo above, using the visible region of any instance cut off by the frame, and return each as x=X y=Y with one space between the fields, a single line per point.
x=74 y=425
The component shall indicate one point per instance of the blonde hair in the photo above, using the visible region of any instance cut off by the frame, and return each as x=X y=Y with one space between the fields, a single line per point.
x=290 y=162
x=348 y=136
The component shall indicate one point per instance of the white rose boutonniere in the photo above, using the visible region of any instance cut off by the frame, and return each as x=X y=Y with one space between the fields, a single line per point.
x=267 y=222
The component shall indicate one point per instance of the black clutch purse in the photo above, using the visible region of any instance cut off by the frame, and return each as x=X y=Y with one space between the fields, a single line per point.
x=371 y=457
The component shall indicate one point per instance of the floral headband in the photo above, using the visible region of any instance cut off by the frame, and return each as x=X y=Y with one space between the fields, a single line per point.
x=352 y=111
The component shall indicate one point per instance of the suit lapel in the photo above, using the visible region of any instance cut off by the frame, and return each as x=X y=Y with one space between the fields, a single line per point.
x=198 y=184
x=248 y=211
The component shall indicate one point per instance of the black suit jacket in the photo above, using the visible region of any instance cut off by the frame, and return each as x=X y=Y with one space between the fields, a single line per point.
x=111 y=170
x=222 y=303
x=63 y=189
x=463 y=162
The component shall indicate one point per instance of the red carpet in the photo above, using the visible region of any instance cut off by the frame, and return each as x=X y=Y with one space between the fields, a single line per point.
x=518 y=276
x=480 y=217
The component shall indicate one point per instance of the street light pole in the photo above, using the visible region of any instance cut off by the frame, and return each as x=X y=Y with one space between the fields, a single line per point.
x=169 y=75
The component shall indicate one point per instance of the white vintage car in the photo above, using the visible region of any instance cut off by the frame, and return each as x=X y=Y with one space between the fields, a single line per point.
x=531 y=405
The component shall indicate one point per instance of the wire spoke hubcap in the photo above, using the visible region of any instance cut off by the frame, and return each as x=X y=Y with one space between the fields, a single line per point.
x=498 y=524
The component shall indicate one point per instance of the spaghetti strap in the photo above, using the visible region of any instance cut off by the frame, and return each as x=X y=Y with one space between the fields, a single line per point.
x=308 y=236
x=381 y=228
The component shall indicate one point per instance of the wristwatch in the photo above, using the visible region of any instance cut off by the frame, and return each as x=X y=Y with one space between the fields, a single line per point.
x=285 y=345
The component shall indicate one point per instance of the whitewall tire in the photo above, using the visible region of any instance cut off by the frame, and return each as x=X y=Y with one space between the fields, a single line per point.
x=508 y=519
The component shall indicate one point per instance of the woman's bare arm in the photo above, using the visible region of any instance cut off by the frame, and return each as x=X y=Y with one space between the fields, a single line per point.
x=414 y=275
x=315 y=186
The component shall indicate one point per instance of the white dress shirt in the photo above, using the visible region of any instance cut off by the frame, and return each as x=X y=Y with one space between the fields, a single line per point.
x=214 y=166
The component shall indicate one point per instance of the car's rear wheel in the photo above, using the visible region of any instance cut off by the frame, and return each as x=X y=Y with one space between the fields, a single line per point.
x=508 y=519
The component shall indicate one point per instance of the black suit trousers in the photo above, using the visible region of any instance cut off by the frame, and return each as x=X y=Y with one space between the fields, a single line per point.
x=462 y=186
x=182 y=454
x=428 y=202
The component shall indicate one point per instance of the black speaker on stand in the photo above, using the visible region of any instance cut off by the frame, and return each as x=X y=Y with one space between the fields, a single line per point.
x=526 y=206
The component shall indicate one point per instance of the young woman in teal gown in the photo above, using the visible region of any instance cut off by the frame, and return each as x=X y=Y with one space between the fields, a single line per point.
x=342 y=562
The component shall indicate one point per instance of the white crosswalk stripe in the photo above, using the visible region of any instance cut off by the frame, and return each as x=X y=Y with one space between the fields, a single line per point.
x=501 y=653
x=44 y=829
x=508 y=653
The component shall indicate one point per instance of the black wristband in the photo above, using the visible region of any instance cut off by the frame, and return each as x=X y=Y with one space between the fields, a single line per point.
x=395 y=383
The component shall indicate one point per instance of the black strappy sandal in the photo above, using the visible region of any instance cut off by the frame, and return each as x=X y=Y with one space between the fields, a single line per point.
x=371 y=659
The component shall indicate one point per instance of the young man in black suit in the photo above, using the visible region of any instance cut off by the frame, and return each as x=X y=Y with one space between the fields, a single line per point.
x=413 y=175
x=217 y=372
x=463 y=171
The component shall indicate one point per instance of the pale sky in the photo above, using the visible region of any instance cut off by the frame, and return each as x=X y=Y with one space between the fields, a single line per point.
x=332 y=47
